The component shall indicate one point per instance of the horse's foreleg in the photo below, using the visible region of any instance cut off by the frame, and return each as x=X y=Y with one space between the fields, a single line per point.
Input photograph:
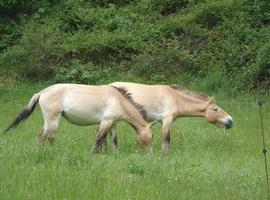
x=101 y=135
x=166 y=125
x=104 y=143
x=114 y=138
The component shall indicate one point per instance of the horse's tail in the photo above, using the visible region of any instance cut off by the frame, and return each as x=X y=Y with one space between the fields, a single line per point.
x=25 y=113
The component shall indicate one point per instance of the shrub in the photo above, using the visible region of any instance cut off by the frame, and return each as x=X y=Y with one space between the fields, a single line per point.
x=257 y=11
x=99 y=48
x=10 y=31
x=217 y=42
x=108 y=2
x=77 y=18
x=176 y=26
x=81 y=73
x=262 y=74
x=164 y=61
x=167 y=7
x=215 y=81
x=34 y=56
x=213 y=14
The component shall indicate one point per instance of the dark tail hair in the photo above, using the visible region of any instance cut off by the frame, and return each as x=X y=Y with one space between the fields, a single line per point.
x=25 y=113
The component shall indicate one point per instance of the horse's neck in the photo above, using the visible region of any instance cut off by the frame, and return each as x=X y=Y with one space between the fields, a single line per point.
x=190 y=107
x=133 y=117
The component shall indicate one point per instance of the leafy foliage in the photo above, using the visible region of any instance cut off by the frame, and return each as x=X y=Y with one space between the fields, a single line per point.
x=83 y=73
x=156 y=41
x=167 y=7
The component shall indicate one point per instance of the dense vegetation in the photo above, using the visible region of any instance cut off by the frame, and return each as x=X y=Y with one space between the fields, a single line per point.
x=221 y=43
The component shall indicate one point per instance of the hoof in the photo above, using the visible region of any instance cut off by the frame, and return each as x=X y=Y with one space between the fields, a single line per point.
x=95 y=150
x=165 y=147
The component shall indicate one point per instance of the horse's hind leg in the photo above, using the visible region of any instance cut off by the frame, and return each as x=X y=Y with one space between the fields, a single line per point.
x=42 y=136
x=51 y=121
x=52 y=128
x=101 y=135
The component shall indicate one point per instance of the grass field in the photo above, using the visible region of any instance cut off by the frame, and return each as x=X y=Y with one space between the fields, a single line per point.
x=205 y=162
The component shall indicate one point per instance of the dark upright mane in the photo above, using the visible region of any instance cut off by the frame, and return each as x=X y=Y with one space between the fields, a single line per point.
x=196 y=95
x=128 y=96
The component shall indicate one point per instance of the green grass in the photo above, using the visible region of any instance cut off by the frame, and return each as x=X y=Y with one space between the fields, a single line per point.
x=205 y=162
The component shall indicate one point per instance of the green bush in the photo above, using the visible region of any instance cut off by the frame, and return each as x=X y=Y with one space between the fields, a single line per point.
x=220 y=43
x=81 y=73
x=10 y=32
x=215 y=82
x=164 y=61
x=34 y=56
x=87 y=18
x=257 y=12
x=98 y=48
x=213 y=14
x=167 y=7
x=108 y=2
x=261 y=77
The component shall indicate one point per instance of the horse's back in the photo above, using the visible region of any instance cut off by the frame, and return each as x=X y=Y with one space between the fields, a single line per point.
x=80 y=104
x=140 y=89
x=154 y=98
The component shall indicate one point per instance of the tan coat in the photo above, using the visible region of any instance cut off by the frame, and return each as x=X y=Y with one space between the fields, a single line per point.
x=86 y=105
x=165 y=103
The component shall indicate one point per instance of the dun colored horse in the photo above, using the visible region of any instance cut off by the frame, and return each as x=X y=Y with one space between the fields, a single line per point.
x=86 y=105
x=165 y=103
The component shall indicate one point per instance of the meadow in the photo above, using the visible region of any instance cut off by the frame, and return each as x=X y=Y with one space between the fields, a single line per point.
x=217 y=46
x=205 y=162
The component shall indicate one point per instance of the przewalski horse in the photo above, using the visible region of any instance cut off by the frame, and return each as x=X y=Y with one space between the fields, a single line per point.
x=165 y=103
x=86 y=105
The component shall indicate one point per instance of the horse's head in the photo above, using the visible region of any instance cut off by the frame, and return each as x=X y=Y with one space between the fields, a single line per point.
x=144 y=137
x=215 y=115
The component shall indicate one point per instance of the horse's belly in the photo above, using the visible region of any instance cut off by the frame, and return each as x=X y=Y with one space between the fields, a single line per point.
x=82 y=118
x=154 y=112
x=154 y=108
x=154 y=116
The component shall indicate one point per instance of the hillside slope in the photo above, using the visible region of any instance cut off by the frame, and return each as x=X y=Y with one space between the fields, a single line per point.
x=222 y=44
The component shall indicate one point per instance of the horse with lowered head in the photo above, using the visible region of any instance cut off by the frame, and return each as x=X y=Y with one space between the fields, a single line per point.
x=165 y=103
x=86 y=105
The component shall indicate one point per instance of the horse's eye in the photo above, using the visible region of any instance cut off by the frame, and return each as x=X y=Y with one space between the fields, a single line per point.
x=215 y=109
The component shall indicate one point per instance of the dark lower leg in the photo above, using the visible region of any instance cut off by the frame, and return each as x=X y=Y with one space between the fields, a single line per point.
x=51 y=136
x=114 y=140
x=97 y=147
x=166 y=140
x=104 y=144
x=104 y=127
x=166 y=133
x=51 y=140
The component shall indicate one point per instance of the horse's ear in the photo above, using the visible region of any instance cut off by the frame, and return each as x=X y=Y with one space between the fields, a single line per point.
x=152 y=123
x=211 y=100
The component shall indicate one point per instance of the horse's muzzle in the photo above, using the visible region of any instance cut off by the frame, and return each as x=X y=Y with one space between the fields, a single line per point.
x=228 y=122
